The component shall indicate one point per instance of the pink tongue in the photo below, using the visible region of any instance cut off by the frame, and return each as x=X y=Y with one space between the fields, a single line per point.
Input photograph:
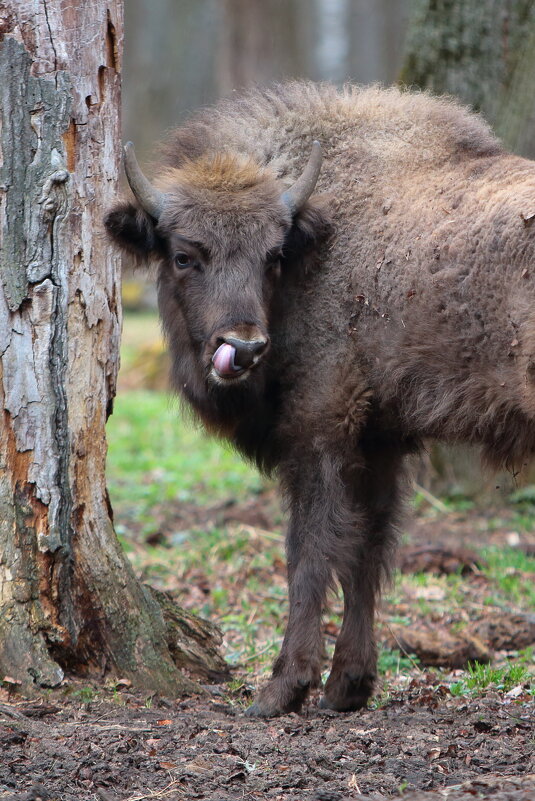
x=223 y=359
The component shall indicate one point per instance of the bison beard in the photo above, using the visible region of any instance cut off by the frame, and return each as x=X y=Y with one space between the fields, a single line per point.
x=327 y=320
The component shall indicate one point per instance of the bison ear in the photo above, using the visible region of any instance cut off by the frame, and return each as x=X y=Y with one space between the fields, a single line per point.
x=311 y=226
x=134 y=230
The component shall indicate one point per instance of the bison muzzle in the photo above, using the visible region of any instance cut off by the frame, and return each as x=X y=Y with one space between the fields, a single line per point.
x=329 y=317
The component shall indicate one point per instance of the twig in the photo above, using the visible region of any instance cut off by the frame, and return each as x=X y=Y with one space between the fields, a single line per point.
x=259 y=653
x=259 y=532
x=403 y=651
x=156 y=793
x=436 y=503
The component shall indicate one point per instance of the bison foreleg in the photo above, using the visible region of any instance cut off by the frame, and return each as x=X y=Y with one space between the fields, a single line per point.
x=354 y=668
x=297 y=668
x=353 y=673
x=317 y=498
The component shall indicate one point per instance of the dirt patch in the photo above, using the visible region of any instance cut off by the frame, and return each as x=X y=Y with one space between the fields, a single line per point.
x=203 y=748
x=261 y=511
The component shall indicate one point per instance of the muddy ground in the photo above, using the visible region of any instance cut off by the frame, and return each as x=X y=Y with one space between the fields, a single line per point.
x=206 y=749
x=420 y=742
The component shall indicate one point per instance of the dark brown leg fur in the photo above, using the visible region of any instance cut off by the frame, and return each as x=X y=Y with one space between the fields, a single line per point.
x=297 y=668
x=353 y=673
x=318 y=514
x=341 y=524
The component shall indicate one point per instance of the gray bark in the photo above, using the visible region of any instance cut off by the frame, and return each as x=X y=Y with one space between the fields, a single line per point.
x=68 y=597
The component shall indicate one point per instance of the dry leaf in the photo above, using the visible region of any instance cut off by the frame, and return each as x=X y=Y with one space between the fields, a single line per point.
x=363 y=732
x=198 y=765
x=10 y=680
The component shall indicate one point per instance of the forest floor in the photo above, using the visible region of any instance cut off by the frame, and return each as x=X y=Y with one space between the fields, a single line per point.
x=430 y=733
x=453 y=716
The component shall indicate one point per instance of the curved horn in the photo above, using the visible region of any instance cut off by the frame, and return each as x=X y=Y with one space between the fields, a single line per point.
x=149 y=198
x=297 y=195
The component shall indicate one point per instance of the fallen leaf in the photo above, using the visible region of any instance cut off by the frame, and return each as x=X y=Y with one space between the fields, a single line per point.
x=11 y=680
x=123 y=683
x=363 y=732
x=198 y=765
x=153 y=743
x=515 y=692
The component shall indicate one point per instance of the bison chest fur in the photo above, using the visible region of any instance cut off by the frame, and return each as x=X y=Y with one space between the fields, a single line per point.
x=342 y=274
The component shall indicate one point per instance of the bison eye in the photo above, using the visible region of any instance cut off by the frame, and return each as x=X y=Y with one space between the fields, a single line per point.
x=183 y=260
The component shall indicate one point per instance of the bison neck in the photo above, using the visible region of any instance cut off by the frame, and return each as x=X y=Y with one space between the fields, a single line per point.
x=245 y=415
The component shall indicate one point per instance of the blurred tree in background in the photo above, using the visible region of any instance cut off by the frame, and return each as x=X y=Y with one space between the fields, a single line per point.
x=484 y=54
x=182 y=55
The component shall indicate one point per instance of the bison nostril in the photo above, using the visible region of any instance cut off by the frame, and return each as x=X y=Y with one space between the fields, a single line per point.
x=248 y=351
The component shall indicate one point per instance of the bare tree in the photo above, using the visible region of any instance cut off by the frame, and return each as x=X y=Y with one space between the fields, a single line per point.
x=69 y=600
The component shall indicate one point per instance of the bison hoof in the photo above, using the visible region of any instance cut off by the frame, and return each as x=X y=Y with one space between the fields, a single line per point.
x=280 y=696
x=258 y=711
x=262 y=709
x=348 y=692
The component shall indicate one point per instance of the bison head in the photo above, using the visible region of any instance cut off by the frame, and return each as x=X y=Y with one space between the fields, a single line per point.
x=220 y=226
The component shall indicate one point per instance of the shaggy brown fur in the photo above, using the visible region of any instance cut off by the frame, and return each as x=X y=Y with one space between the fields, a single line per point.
x=398 y=305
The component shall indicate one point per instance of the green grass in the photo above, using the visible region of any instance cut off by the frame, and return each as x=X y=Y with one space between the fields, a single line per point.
x=156 y=456
x=479 y=678
x=393 y=662
x=511 y=571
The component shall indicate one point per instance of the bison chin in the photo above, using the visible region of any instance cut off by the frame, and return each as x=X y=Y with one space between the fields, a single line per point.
x=241 y=381
x=230 y=401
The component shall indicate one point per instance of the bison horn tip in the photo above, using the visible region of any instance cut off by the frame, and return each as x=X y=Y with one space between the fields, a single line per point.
x=149 y=198
x=297 y=195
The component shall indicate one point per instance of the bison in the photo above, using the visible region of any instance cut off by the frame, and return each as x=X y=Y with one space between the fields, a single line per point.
x=343 y=274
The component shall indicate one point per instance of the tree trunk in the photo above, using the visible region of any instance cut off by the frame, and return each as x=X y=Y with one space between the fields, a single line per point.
x=258 y=41
x=69 y=600
x=483 y=53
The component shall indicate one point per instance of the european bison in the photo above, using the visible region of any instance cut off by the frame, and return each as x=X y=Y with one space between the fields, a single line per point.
x=327 y=317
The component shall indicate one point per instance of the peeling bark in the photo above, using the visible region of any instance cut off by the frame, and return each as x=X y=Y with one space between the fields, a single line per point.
x=69 y=600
